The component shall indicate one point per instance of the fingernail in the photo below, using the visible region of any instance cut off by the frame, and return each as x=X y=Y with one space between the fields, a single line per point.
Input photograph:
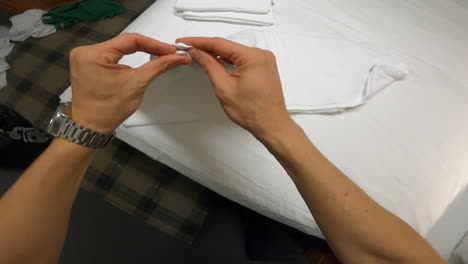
x=182 y=46
x=183 y=53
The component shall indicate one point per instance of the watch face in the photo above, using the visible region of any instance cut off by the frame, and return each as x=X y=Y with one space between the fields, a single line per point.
x=58 y=119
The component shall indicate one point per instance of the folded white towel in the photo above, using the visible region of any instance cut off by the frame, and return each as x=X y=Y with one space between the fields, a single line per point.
x=29 y=24
x=242 y=6
x=231 y=17
x=257 y=13
x=319 y=75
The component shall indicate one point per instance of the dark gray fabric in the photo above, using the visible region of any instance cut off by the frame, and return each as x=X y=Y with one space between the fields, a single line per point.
x=460 y=254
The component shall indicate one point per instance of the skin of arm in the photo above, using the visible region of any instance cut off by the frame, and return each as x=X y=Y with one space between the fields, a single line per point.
x=35 y=211
x=357 y=228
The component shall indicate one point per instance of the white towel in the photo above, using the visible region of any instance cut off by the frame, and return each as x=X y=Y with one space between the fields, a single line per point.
x=4 y=66
x=5 y=49
x=231 y=17
x=319 y=75
x=29 y=24
x=3 y=80
x=322 y=74
x=5 y=45
x=242 y=6
x=248 y=12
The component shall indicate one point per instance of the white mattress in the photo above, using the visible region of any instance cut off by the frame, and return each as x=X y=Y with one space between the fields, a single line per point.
x=407 y=148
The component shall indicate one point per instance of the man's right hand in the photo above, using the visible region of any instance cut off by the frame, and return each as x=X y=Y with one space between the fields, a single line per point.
x=251 y=96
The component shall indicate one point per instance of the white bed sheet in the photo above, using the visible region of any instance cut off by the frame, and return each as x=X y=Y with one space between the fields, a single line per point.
x=407 y=148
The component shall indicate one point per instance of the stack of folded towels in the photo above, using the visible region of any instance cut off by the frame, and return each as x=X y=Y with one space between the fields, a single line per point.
x=249 y=12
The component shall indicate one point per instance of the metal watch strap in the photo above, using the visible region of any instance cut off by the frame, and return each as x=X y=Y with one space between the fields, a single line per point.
x=79 y=134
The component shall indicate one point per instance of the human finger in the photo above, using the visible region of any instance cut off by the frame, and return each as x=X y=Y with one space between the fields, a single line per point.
x=213 y=68
x=227 y=49
x=156 y=67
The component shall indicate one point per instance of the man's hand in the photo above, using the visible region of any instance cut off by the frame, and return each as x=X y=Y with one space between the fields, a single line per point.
x=251 y=96
x=106 y=93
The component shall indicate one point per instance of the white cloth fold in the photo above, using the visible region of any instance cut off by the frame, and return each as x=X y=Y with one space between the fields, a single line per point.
x=4 y=66
x=3 y=80
x=5 y=45
x=258 y=13
x=242 y=6
x=230 y=17
x=23 y=26
x=5 y=49
x=29 y=24
x=319 y=75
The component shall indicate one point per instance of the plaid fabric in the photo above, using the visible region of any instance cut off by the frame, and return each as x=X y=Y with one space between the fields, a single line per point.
x=125 y=177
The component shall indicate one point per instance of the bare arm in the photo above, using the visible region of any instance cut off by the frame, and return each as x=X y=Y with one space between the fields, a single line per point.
x=356 y=227
x=34 y=213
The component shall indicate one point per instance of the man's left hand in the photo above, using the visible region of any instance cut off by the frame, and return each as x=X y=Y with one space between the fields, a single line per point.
x=106 y=93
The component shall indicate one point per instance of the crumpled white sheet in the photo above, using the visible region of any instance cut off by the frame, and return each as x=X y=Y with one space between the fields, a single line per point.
x=29 y=24
x=25 y=25
x=5 y=49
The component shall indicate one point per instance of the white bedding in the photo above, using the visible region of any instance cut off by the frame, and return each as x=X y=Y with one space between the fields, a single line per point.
x=346 y=74
x=407 y=147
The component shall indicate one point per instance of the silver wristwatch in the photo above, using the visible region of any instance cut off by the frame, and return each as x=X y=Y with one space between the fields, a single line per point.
x=61 y=125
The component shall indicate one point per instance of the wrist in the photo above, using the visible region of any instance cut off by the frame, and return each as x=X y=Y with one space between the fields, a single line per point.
x=92 y=122
x=67 y=147
x=282 y=131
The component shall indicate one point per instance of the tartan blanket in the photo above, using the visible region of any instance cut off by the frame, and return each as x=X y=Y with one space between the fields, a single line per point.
x=123 y=176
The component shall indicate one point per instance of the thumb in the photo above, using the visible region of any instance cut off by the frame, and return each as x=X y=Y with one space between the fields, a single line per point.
x=213 y=68
x=160 y=65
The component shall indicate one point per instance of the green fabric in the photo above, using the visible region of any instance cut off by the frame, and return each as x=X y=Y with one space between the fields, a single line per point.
x=90 y=10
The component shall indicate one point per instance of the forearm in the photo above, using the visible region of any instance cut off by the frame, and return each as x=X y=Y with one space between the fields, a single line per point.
x=356 y=227
x=34 y=213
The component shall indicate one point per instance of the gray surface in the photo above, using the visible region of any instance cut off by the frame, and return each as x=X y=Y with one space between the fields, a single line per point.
x=460 y=254
x=100 y=233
